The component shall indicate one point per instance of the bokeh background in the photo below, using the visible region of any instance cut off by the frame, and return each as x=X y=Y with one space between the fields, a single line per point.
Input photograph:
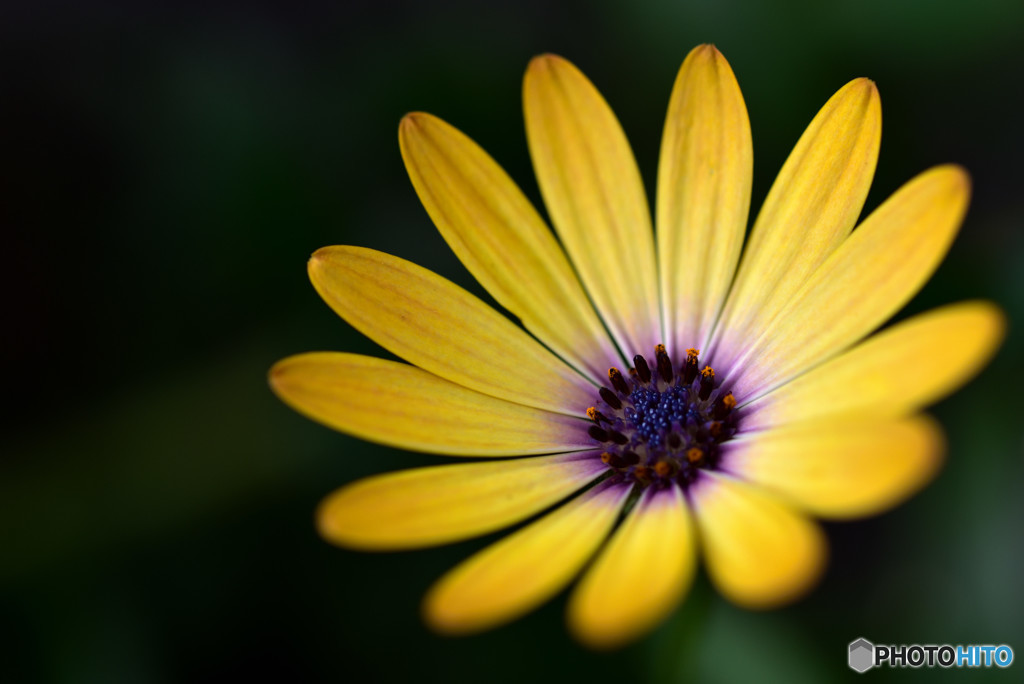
x=169 y=167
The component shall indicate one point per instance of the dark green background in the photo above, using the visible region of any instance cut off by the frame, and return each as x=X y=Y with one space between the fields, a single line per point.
x=167 y=170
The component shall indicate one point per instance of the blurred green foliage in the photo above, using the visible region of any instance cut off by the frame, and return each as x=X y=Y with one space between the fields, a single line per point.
x=169 y=168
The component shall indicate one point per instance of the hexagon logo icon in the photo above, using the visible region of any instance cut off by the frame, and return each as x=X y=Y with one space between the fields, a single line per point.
x=862 y=655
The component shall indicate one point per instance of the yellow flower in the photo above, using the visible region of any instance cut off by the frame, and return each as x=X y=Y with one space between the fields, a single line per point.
x=799 y=417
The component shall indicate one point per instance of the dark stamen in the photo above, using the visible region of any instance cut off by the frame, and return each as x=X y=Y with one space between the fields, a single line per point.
x=617 y=437
x=609 y=398
x=642 y=369
x=723 y=405
x=618 y=382
x=597 y=433
x=664 y=363
x=707 y=382
x=614 y=460
x=690 y=367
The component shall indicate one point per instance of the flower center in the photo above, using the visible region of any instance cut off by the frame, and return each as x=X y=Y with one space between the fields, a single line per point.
x=662 y=424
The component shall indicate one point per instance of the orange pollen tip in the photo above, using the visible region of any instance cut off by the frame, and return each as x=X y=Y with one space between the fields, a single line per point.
x=693 y=455
x=642 y=472
x=708 y=372
x=693 y=354
x=715 y=429
x=605 y=457
x=592 y=413
x=660 y=349
x=663 y=468
x=729 y=401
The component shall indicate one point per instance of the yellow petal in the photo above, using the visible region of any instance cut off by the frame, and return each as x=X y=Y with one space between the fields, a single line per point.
x=498 y=235
x=840 y=469
x=438 y=326
x=874 y=273
x=810 y=209
x=440 y=504
x=594 y=195
x=893 y=373
x=400 y=405
x=641 y=575
x=518 y=573
x=759 y=552
x=704 y=177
